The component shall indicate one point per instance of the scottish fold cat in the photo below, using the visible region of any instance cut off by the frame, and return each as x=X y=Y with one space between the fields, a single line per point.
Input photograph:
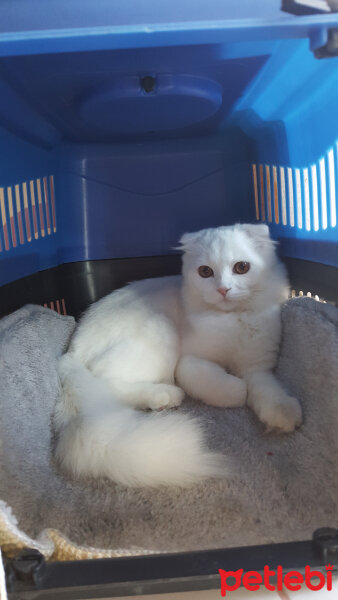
x=212 y=333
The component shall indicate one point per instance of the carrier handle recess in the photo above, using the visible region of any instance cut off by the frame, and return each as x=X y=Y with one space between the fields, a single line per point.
x=325 y=43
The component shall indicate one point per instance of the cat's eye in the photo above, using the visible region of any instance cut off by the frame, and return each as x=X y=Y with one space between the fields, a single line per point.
x=241 y=268
x=205 y=271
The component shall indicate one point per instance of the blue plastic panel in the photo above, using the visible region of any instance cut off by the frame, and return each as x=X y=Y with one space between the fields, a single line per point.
x=37 y=26
x=137 y=201
x=173 y=102
x=77 y=14
x=98 y=96
x=241 y=124
x=290 y=110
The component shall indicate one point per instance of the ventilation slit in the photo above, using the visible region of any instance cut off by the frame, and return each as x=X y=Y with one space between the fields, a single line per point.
x=19 y=213
x=11 y=216
x=268 y=192
x=52 y=196
x=26 y=212
x=261 y=180
x=42 y=220
x=283 y=195
x=275 y=193
x=254 y=173
x=307 y=199
x=291 y=204
x=323 y=192
x=4 y=219
x=45 y=190
x=315 y=197
x=299 y=200
x=34 y=213
x=333 y=219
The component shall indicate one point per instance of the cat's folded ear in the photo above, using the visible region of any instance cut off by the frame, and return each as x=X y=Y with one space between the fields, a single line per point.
x=187 y=241
x=259 y=232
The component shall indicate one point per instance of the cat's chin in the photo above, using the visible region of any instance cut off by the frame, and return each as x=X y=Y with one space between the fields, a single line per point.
x=230 y=304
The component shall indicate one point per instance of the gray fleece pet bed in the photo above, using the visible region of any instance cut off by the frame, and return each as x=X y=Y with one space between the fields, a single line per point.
x=283 y=486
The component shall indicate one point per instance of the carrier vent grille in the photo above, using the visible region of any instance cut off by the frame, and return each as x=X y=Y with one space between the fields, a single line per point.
x=27 y=212
x=305 y=198
x=301 y=293
x=58 y=305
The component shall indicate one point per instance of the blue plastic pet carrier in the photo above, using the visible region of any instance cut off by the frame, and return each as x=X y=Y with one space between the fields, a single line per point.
x=126 y=124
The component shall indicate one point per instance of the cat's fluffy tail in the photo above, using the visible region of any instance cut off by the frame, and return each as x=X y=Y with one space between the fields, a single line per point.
x=99 y=438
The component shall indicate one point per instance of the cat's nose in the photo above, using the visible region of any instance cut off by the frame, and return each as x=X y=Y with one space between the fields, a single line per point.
x=223 y=291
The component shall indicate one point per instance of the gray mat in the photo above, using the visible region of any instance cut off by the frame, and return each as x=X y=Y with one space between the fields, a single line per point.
x=282 y=487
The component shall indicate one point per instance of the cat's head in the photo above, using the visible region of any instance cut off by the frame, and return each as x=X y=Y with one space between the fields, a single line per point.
x=228 y=268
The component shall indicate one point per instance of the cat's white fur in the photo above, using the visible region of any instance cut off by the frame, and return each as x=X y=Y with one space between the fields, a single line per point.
x=148 y=344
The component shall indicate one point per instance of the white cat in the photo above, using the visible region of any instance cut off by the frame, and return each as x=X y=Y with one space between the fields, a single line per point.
x=212 y=333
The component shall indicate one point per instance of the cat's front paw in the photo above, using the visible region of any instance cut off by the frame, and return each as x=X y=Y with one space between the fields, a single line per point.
x=285 y=414
x=166 y=396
